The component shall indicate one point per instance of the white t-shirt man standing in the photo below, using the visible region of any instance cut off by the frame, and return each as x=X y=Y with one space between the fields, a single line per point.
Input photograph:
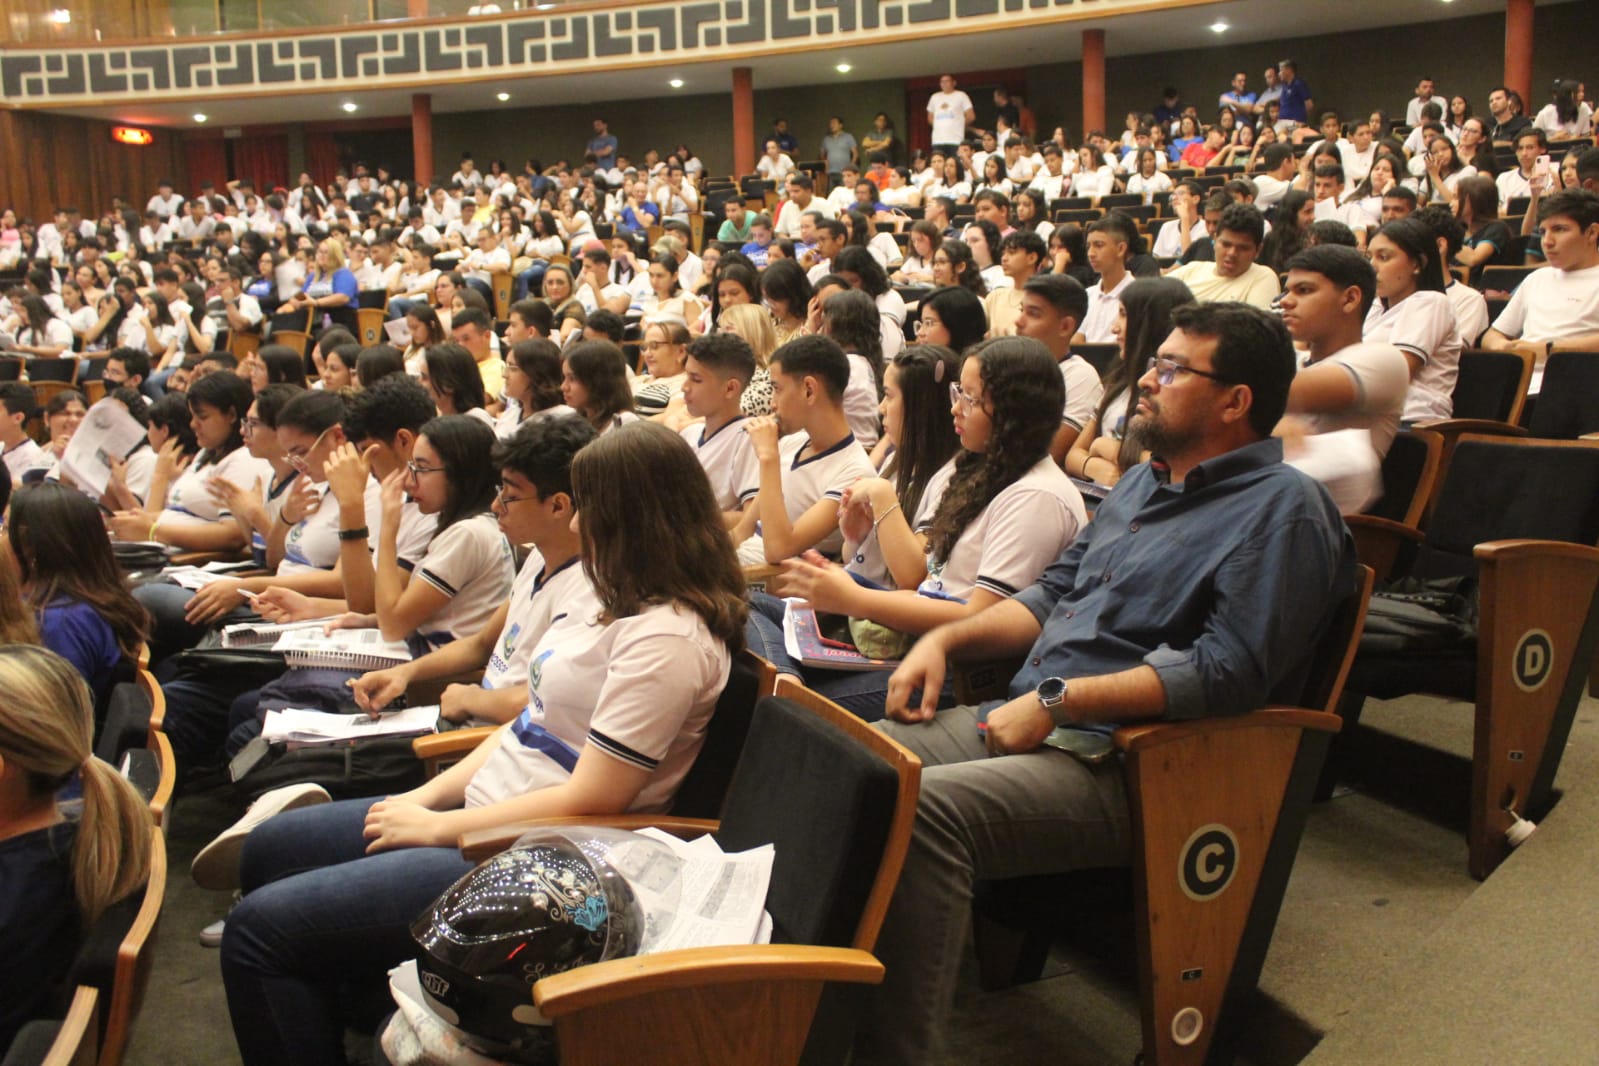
x=948 y=112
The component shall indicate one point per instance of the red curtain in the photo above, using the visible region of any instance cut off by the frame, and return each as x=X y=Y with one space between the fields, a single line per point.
x=321 y=157
x=206 y=160
x=264 y=159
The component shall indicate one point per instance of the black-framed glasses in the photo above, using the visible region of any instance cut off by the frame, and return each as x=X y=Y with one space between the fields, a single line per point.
x=1166 y=370
x=505 y=501
x=416 y=470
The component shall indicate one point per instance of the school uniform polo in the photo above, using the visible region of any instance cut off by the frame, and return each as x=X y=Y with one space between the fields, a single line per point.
x=470 y=562
x=538 y=601
x=728 y=458
x=313 y=542
x=1422 y=325
x=825 y=474
x=1012 y=540
x=639 y=690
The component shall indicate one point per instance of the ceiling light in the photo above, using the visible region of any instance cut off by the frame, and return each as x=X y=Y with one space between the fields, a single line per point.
x=200 y=117
x=60 y=16
x=1219 y=27
x=349 y=106
x=676 y=83
x=843 y=68
x=502 y=97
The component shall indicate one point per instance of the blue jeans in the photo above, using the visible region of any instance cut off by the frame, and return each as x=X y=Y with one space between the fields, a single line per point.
x=863 y=693
x=399 y=308
x=320 y=925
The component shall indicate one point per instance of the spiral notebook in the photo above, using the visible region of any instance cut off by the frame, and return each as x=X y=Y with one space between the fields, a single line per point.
x=267 y=634
x=343 y=649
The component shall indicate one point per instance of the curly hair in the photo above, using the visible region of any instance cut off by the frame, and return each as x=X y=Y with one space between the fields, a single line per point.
x=1024 y=394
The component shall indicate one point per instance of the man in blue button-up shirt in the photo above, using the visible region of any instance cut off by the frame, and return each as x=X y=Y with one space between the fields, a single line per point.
x=1200 y=588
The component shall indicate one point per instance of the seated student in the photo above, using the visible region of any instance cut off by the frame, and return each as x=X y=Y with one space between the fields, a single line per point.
x=1121 y=628
x=338 y=368
x=1104 y=450
x=471 y=329
x=1344 y=383
x=951 y=317
x=1488 y=241
x=126 y=367
x=717 y=371
x=1560 y=302
x=884 y=519
x=665 y=351
x=60 y=875
x=451 y=376
x=1470 y=306
x=257 y=507
x=70 y=579
x=1007 y=513
x=170 y=445
x=1053 y=305
x=20 y=451
x=1111 y=240
x=594 y=383
x=1021 y=255
x=793 y=504
x=616 y=716
x=381 y=427
x=851 y=319
x=186 y=515
x=1234 y=274
x=534 y=506
x=128 y=483
x=861 y=271
x=303 y=538
x=1412 y=313
x=532 y=385
x=1328 y=188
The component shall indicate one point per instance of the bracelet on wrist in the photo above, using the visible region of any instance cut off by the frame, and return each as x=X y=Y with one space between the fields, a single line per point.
x=359 y=533
x=877 y=520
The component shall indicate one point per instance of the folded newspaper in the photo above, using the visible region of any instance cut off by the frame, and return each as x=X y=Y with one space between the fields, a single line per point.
x=107 y=432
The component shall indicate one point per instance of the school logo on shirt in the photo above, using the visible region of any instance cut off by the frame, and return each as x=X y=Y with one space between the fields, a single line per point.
x=535 y=669
x=509 y=644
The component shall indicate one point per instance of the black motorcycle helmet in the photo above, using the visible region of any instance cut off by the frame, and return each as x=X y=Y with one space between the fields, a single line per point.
x=537 y=909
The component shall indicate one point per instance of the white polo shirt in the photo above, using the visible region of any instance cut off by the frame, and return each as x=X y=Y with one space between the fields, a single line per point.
x=1102 y=306
x=1019 y=533
x=1423 y=325
x=188 y=501
x=641 y=690
x=25 y=456
x=538 y=601
x=805 y=481
x=313 y=542
x=860 y=401
x=471 y=563
x=1382 y=378
x=728 y=458
x=868 y=560
x=1083 y=391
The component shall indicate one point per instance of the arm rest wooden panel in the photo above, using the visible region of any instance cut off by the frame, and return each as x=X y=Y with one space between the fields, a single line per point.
x=759 y=575
x=455 y=742
x=1378 y=541
x=480 y=844
x=135 y=958
x=1451 y=428
x=75 y=1043
x=1535 y=648
x=623 y=979
x=168 y=782
x=1139 y=738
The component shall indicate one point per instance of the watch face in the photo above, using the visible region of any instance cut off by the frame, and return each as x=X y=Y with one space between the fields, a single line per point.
x=1051 y=690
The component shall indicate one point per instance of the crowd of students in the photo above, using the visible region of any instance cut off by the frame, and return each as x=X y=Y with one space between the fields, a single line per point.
x=900 y=434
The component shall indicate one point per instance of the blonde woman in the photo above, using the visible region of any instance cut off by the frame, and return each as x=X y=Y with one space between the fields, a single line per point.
x=329 y=284
x=67 y=872
x=754 y=325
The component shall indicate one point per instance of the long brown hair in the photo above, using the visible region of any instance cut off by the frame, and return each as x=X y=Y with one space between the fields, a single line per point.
x=46 y=728
x=17 y=625
x=62 y=553
x=652 y=533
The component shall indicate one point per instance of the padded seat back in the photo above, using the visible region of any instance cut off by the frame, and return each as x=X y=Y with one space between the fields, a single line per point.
x=1500 y=489
x=1099 y=356
x=827 y=804
x=1568 y=402
x=1486 y=385
x=705 y=787
x=126 y=722
x=52 y=369
x=1403 y=470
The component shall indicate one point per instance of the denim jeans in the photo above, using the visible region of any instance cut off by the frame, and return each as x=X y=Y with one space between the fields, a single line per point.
x=531 y=281
x=320 y=925
x=863 y=693
x=399 y=308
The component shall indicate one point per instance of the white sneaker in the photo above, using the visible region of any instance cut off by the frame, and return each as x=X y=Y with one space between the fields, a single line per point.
x=211 y=935
x=217 y=864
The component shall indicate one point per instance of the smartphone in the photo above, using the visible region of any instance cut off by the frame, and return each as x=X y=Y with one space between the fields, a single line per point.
x=1540 y=169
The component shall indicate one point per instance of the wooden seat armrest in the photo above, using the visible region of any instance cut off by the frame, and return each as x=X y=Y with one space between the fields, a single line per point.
x=1503 y=551
x=1453 y=427
x=1378 y=541
x=480 y=844
x=760 y=575
x=1136 y=738
x=201 y=558
x=619 y=980
x=456 y=741
x=1384 y=527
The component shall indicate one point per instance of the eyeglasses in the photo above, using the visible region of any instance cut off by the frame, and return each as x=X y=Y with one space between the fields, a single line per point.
x=414 y=469
x=300 y=460
x=965 y=400
x=1166 y=370
x=250 y=425
x=501 y=498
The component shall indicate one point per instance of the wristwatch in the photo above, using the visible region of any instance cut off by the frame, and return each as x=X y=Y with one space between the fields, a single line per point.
x=1052 y=696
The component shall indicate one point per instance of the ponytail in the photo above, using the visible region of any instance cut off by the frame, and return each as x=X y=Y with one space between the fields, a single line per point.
x=45 y=731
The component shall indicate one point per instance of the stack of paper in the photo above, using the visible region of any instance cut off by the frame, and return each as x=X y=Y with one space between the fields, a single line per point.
x=296 y=726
